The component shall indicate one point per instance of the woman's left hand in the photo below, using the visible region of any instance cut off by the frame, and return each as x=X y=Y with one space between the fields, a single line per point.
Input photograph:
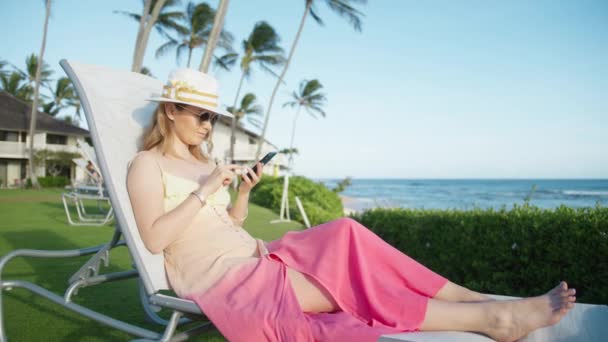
x=250 y=179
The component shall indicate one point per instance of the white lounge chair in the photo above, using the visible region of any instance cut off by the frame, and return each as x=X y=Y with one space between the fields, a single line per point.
x=116 y=116
x=91 y=191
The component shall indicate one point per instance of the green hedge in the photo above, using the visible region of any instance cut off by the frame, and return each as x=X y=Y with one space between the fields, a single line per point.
x=320 y=203
x=523 y=251
x=53 y=181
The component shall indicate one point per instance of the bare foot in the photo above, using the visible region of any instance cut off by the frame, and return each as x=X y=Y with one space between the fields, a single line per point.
x=517 y=318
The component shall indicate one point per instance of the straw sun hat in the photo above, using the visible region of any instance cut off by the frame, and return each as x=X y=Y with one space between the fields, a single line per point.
x=194 y=88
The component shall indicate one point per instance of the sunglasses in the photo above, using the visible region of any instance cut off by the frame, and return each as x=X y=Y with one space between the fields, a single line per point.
x=202 y=115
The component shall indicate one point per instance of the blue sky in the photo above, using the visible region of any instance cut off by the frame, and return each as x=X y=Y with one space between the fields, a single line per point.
x=429 y=89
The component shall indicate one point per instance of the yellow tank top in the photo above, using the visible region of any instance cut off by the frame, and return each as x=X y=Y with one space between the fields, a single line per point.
x=210 y=246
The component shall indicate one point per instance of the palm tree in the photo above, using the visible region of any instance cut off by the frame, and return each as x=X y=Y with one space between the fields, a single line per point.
x=345 y=9
x=157 y=14
x=15 y=84
x=218 y=24
x=21 y=83
x=194 y=31
x=248 y=109
x=64 y=96
x=289 y=151
x=39 y=64
x=31 y=67
x=262 y=48
x=309 y=97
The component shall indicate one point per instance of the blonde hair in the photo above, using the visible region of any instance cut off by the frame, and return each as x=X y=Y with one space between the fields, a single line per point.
x=159 y=134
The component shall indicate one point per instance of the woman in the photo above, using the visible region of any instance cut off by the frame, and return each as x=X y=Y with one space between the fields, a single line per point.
x=334 y=282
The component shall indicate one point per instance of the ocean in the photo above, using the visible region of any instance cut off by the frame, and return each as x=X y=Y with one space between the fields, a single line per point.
x=472 y=193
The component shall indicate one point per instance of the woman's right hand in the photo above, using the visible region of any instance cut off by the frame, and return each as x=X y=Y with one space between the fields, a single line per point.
x=222 y=175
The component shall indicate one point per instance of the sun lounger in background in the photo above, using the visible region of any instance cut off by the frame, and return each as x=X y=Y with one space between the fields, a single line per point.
x=92 y=190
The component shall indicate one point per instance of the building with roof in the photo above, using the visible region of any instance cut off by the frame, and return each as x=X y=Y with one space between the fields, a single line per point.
x=51 y=134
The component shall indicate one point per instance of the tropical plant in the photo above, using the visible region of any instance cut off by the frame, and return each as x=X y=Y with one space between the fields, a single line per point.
x=15 y=83
x=157 y=14
x=21 y=83
x=54 y=161
x=289 y=151
x=342 y=185
x=146 y=71
x=309 y=97
x=64 y=96
x=193 y=30
x=31 y=66
x=345 y=9
x=260 y=48
x=248 y=109
x=34 y=112
x=2 y=65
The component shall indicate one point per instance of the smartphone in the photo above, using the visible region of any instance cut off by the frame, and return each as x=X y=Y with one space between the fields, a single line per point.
x=264 y=161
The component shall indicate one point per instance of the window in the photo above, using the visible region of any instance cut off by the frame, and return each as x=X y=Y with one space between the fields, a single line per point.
x=56 y=139
x=252 y=141
x=9 y=136
x=23 y=136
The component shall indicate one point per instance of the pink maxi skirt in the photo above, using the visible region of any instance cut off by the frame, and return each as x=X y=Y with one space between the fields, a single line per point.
x=379 y=289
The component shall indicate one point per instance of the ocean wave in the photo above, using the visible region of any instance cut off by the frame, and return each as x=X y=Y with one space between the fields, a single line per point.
x=585 y=193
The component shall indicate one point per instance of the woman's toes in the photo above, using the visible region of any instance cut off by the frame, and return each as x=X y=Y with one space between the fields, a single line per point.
x=570 y=292
x=564 y=285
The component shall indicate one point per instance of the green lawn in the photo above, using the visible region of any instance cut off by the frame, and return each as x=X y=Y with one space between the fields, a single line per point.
x=36 y=220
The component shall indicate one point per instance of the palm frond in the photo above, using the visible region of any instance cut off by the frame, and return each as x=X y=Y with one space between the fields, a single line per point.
x=315 y=16
x=225 y=62
x=181 y=50
x=256 y=110
x=134 y=16
x=345 y=10
x=254 y=122
x=146 y=71
x=165 y=48
x=248 y=100
x=170 y=22
x=264 y=38
x=270 y=71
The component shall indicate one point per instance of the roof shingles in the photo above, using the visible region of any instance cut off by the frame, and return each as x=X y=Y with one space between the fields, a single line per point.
x=15 y=115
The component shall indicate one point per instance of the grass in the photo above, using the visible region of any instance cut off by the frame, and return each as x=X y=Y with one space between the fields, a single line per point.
x=36 y=220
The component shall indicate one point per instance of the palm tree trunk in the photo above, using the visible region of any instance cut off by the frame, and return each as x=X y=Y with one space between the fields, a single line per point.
x=146 y=35
x=233 y=134
x=293 y=134
x=34 y=112
x=189 y=56
x=218 y=23
x=280 y=80
x=140 y=32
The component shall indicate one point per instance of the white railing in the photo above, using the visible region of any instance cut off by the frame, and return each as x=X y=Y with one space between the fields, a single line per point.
x=62 y=148
x=13 y=149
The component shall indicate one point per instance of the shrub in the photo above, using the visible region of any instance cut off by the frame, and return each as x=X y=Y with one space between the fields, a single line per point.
x=520 y=252
x=53 y=181
x=320 y=203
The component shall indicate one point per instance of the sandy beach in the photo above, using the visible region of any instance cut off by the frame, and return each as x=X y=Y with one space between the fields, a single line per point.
x=347 y=203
